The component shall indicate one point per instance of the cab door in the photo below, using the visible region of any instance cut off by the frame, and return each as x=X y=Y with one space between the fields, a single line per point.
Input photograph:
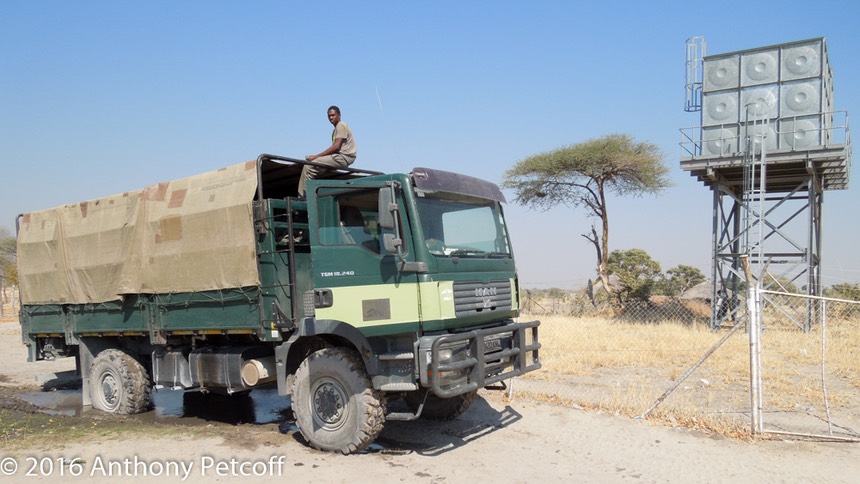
x=356 y=280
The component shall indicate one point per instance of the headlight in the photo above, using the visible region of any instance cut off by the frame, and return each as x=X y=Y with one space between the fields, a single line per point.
x=446 y=355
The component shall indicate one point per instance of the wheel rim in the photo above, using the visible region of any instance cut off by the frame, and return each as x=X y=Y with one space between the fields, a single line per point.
x=110 y=389
x=329 y=403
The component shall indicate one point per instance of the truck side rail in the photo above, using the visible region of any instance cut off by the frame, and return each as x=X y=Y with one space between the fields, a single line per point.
x=283 y=160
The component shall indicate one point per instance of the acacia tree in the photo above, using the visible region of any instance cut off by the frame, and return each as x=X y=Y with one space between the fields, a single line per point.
x=582 y=174
x=680 y=279
x=637 y=274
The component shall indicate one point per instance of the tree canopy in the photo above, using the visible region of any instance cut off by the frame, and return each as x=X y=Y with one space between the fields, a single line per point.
x=637 y=273
x=844 y=290
x=582 y=174
x=680 y=279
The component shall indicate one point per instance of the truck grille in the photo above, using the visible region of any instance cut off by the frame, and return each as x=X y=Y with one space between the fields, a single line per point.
x=471 y=298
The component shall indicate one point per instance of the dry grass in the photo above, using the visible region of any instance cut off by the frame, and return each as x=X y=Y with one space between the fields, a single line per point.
x=579 y=346
x=623 y=368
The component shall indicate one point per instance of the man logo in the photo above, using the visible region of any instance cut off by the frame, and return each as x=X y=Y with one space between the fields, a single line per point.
x=486 y=295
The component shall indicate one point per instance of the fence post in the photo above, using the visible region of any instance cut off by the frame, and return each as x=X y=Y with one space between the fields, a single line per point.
x=823 y=306
x=755 y=347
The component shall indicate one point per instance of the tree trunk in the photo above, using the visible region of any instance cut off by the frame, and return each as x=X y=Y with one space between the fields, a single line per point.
x=602 y=263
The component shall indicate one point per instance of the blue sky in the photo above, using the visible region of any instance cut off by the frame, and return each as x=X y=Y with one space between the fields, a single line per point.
x=98 y=98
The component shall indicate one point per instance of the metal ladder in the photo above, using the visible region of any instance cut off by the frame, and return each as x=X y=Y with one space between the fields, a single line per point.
x=754 y=184
x=694 y=75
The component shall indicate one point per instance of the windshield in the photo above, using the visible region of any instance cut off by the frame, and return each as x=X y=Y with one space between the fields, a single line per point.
x=458 y=226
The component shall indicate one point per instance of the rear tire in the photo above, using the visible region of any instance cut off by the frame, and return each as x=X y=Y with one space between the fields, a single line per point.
x=336 y=407
x=119 y=384
x=436 y=408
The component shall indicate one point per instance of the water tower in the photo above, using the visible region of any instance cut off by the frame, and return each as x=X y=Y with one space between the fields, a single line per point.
x=769 y=144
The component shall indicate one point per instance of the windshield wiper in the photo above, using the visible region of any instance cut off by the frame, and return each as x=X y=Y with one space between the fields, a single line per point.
x=459 y=252
x=477 y=252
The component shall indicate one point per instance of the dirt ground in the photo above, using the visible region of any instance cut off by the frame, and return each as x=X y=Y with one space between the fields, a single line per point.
x=497 y=439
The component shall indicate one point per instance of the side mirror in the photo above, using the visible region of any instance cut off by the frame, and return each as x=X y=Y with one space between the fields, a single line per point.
x=387 y=207
x=391 y=242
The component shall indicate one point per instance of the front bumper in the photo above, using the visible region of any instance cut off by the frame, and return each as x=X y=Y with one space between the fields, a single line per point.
x=453 y=364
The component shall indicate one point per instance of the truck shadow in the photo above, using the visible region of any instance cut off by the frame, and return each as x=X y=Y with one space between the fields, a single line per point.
x=62 y=396
x=430 y=437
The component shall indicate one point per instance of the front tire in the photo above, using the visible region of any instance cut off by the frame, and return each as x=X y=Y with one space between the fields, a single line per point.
x=119 y=384
x=436 y=408
x=336 y=407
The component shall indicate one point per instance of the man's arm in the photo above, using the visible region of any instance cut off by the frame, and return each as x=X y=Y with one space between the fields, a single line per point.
x=334 y=148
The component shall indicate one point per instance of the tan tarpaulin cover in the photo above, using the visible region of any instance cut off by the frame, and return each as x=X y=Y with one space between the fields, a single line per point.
x=193 y=234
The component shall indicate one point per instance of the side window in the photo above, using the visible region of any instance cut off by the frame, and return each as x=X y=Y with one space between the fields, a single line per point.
x=352 y=219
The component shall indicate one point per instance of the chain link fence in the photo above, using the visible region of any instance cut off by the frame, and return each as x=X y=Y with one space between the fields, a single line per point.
x=806 y=385
x=656 y=309
x=661 y=359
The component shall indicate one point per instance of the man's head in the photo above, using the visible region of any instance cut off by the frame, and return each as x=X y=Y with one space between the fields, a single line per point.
x=334 y=115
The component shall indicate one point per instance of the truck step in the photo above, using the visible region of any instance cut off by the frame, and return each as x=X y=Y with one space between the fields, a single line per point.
x=398 y=387
x=396 y=356
x=402 y=416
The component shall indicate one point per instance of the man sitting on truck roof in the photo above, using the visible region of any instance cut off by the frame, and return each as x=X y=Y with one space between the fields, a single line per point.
x=340 y=154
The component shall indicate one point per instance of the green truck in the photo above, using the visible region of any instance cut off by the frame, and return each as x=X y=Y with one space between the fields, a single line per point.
x=373 y=288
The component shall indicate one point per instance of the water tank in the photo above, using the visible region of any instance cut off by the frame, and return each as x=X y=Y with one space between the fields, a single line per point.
x=789 y=85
